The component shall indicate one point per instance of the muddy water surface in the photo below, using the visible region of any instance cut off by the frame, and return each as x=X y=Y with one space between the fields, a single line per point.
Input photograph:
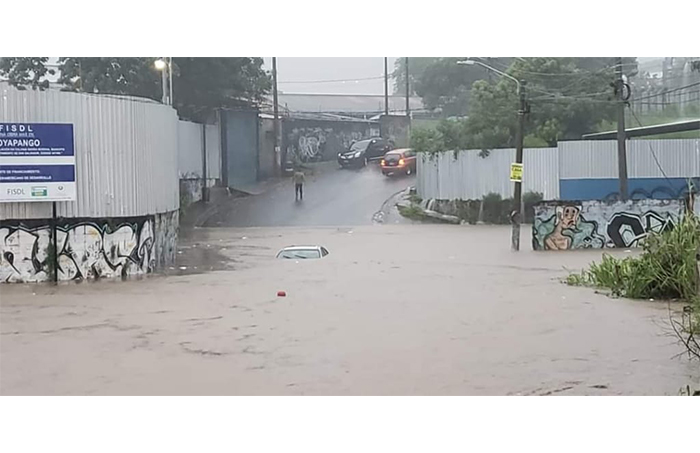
x=414 y=309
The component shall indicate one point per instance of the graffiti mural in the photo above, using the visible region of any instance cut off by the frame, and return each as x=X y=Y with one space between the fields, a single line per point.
x=314 y=141
x=627 y=229
x=599 y=224
x=566 y=229
x=86 y=249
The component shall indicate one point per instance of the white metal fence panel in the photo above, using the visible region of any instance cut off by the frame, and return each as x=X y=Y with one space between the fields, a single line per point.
x=213 y=152
x=126 y=152
x=189 y=149
x=588 y=159
x=598 y=158
x=467 y=176
x=677 y=158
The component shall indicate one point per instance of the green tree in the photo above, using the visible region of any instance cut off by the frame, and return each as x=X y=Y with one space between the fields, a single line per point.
x=204 y=84
x=22 y=72
x=566 y=101
x=201 y=85
x=442 y=83
x=135 y=76
x=416 y=67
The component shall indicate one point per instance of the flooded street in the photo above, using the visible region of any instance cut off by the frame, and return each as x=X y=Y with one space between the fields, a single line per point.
x=393 y=310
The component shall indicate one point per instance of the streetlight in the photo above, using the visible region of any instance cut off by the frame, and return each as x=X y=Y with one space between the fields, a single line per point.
x=165 y=66
x=470 y=62
x=515 y=216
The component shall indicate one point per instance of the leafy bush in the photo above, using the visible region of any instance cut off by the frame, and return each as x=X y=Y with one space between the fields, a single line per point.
x=530 y=199
x=412 y=212
x=493 y=208
x=667 y=267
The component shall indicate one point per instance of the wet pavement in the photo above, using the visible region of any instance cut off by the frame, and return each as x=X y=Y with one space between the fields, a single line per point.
x=394 y=309
x=332 y=197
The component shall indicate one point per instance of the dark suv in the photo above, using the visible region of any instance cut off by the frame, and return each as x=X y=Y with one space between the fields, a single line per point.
x=364 y=151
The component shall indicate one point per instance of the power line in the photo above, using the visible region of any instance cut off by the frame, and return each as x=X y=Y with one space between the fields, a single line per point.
x=331 y=80
x=658 y=164
x=667 y=91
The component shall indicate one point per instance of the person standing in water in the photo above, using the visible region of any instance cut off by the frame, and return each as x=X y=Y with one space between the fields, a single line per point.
x=298 y=184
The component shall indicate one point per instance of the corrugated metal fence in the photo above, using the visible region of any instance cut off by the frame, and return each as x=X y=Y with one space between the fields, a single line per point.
x=574 y=170
x=467 y=176
x=598 y=159
x=126 y=152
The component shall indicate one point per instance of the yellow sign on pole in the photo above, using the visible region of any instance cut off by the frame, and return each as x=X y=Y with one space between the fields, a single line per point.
x=516 y=172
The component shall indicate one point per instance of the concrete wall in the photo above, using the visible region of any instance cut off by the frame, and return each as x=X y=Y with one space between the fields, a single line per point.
x=564 y=225
x=317 y=140
x=87 y=248
x=191 y=159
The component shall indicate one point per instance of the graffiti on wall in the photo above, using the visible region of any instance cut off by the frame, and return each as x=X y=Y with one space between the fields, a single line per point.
x=597 y=224
x=86 y=249
x=313 y=144
x=628 y=229
x=307 y=144
x=566 y=229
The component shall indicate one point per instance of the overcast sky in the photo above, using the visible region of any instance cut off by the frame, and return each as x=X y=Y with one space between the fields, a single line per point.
x=319 y=74
x=331 y=74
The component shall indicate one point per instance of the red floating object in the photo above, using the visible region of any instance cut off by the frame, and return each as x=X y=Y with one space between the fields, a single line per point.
x=281 y=294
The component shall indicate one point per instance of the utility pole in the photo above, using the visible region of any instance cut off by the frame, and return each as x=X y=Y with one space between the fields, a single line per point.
x=386 y=85
x=621 y=136
x=408 y=93
x=516 y=216
x=275 y=101
x=164 y=84
x=170 y=80
x=205 y=177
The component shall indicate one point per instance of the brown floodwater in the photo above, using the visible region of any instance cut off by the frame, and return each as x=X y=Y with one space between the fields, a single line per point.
x=394 y=309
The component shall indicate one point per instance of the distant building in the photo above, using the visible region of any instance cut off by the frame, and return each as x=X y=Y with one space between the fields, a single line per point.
x=355 y=105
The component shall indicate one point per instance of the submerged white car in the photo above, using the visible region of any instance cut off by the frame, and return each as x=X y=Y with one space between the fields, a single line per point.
x=302 y=252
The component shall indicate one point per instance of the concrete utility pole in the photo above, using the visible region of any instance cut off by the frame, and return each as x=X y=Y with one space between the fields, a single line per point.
x=518 y=190
x=516 y=216
x=621 y=136
x=165 y=86
x=408 y=93
x=386 y=85
x=275 y=101
x=170 y=80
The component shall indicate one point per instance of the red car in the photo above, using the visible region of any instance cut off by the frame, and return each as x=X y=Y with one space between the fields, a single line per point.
x=399 y=161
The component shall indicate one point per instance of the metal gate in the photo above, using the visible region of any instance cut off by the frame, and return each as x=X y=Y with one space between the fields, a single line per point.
x=239 y=142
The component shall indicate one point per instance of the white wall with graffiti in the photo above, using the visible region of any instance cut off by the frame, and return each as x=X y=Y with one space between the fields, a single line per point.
x=87 y=248
x=562 y=225
x=125 y=219
x=313 y=141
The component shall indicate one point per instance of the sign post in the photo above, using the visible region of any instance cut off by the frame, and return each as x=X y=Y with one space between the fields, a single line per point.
x=37 y=162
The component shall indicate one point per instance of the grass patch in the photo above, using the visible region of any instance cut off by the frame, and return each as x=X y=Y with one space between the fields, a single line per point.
x=414 y=198
x=412 y=212
x=667 y=268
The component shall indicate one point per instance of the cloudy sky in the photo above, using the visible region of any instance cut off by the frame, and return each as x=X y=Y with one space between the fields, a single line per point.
x=331 y=74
